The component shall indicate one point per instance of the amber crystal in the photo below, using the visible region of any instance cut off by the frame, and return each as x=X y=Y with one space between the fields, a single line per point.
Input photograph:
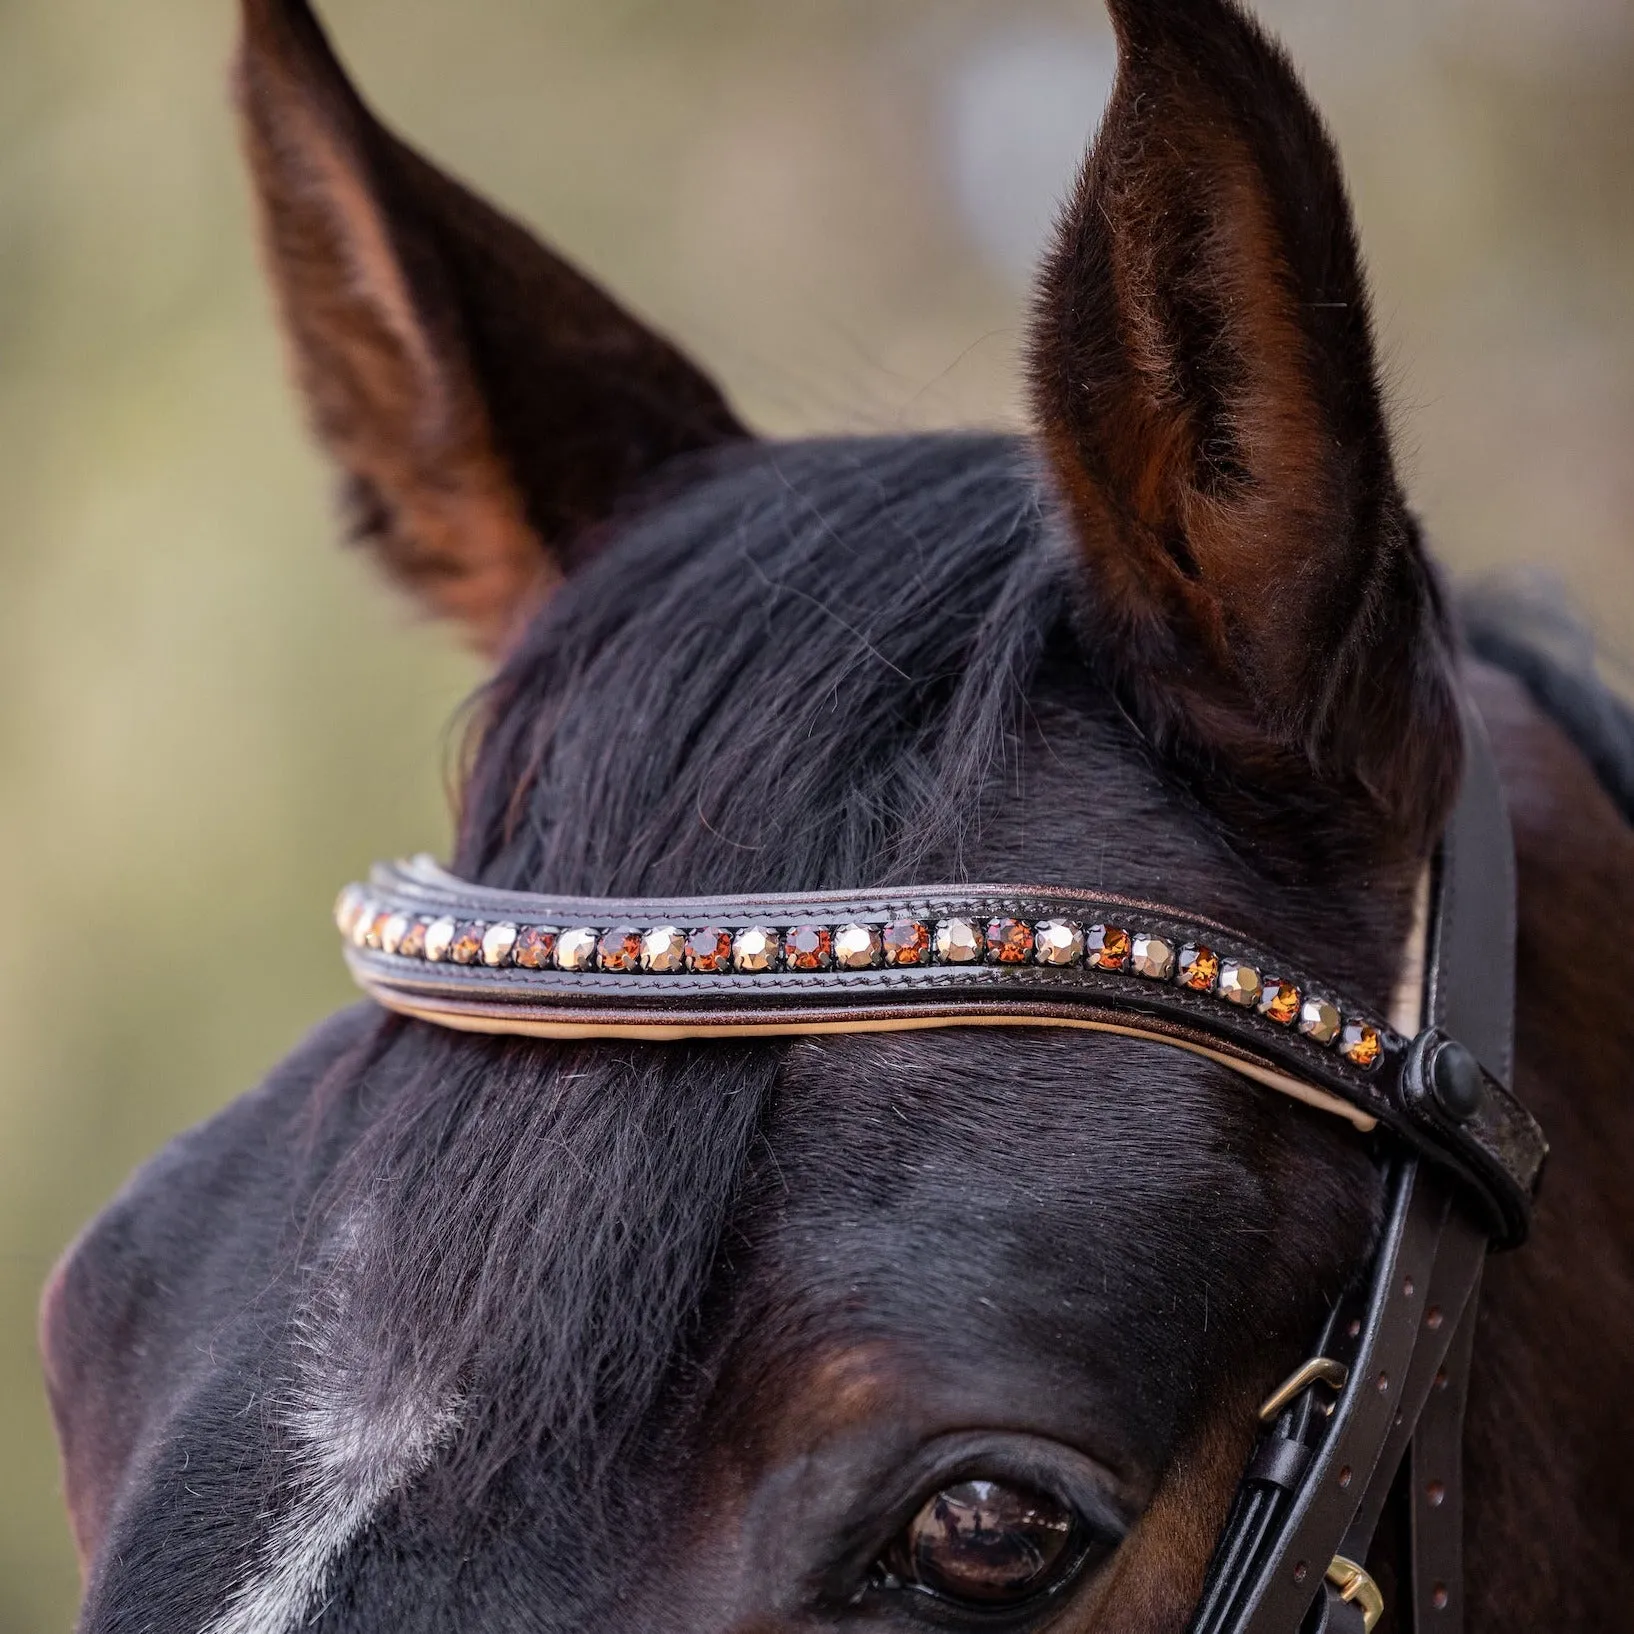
x=808 y=947
x=1009 y=941
x=856 y=947
x=1199 y=967
x=1319 y=1020
x=620 y=948
x=1058 y=942
x=664 y=950
x=1151 y=956
x=466 y=948
x=754 y=950
x=440 y=934
x=958 y=941
x=497 y=943
x=1106 y=947
x=535 y=947
x=1360 y=1044
x=413 y=945
x=906 y=942
x=1240 y=984
x=709 y=950
x=1279 y=1000
x=576 y=948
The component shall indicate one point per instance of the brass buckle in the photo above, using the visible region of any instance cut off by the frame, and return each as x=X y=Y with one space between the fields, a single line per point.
x=1357 y=1588
x=1319 y=1370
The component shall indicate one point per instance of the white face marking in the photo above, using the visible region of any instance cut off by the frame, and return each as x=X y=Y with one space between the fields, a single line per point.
x=354 y=1442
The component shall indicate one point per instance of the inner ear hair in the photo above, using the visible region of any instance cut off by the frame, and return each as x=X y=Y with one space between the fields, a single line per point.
x=1206 y=391
x=487 y=404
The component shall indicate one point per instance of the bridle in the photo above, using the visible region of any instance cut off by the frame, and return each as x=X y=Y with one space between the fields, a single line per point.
x=1385 y=1390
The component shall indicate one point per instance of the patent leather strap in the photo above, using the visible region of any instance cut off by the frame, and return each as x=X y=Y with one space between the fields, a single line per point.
x=1319 y=1480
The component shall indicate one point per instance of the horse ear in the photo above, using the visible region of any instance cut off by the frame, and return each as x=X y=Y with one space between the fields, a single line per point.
x=1205 y=385
x=486 y=402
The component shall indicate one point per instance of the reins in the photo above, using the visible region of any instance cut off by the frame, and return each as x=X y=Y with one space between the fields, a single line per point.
x=1388 y=1376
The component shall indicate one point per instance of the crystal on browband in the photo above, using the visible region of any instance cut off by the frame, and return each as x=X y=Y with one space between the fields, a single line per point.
x=372 y=921
x=473 y=958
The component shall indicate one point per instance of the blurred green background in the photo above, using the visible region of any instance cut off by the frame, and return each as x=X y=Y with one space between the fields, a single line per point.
x=212 y=717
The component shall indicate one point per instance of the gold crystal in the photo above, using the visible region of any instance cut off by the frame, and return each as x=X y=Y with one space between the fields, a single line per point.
x=348 y=906
x=664 y=950
x=393 y=932
x=1058 y=942
x=958 y=942
x=440 y=935
x=1240 y=984
x=1151 y=956
x=856 y=947
x=754 y=950
x=1319 y=1020
x=497 y=943
x=576 y=948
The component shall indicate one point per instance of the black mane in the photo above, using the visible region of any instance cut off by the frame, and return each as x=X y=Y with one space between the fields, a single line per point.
x=875 y=610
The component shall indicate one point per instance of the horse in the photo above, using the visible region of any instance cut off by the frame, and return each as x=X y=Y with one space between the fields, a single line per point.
x=944 y=1328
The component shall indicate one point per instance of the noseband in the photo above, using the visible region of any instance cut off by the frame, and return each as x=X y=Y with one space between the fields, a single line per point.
x=1430 y=1083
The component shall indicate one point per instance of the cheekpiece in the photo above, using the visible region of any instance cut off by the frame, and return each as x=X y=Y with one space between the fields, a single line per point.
x=432 y=946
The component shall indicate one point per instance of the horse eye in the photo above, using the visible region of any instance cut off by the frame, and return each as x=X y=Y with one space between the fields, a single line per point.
x=987 y=1545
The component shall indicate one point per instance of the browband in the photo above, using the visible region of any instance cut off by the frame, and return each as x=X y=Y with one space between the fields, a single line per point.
x=429 y=945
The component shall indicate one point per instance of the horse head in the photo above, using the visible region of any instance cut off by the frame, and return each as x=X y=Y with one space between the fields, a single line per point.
x=959 y=1328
